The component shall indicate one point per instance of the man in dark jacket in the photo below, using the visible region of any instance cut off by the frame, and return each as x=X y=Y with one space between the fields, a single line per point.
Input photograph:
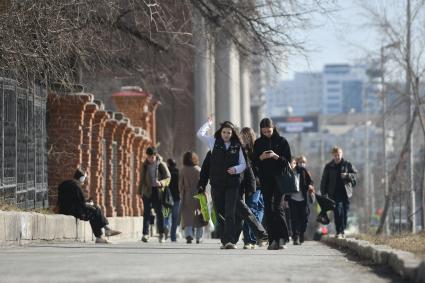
x=154 y=178
x=71 y=201
x=337 y=182
x=243 y=213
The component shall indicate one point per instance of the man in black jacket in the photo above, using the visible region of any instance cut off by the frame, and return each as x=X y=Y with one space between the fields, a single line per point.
x=243 y=213
x=337 y=182
x=71 y=201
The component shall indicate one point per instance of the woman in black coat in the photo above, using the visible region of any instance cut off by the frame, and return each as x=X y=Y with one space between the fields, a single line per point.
x=271 y=156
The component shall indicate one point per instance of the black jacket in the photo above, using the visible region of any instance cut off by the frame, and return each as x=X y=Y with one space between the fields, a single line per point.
x=221 y=160
x=305 y=182
x=71 y=199
x=269 y=167
x=329 y=178
x=247 y=185
x=174 y=183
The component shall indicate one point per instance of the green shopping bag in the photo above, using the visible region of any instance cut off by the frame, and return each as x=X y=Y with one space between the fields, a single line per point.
x=208 y=213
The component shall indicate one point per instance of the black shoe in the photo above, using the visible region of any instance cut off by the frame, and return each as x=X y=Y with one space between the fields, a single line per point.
x=166 y=232
x=189 y=240
x=297 y=242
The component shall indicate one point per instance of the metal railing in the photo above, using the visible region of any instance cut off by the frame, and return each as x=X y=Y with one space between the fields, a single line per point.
x=23 y=166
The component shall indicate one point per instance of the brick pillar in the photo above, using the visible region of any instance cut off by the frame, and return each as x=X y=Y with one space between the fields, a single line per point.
x=109 y=135
x=89 y=112
x=138 y=153
x=119 y=138
x=126 y=153
x=97 y=184
x=65 y=137
x=152 y=120
x=129 y=137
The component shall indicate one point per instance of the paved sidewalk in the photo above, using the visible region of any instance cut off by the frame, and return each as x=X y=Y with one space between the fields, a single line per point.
x=179 y=262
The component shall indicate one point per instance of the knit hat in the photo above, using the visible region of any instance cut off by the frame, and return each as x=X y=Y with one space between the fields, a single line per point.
x=79 y=173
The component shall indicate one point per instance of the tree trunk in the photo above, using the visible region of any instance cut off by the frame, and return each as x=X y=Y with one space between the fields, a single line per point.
x=395 y=172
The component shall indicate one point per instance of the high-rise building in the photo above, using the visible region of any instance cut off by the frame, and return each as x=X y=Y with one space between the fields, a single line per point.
x=300 y=96
x=339 y=88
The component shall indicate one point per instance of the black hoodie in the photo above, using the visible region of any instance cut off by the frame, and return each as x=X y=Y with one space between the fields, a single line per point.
x=270 y=167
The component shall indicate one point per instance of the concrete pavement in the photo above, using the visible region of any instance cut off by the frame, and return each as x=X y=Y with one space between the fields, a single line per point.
x=179 y=262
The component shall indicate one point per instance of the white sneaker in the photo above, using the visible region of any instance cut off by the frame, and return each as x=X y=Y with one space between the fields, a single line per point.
x=145 y=238
x=282 y=244
x=101 y=240
x=229 y=246
x=338 y=236
x=247 y=246
x=110 y=232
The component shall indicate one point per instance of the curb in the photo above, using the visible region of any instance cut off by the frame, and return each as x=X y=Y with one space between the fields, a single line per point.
x=21 y=228
x=406 y=264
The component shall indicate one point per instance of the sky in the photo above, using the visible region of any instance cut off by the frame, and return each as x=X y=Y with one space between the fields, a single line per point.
x=340 y=37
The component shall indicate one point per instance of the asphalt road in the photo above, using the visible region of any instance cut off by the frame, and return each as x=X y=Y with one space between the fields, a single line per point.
x=180 y=262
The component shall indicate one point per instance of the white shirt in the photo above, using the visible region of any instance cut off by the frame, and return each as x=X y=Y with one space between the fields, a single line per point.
x=299 y=195
x=210 y=141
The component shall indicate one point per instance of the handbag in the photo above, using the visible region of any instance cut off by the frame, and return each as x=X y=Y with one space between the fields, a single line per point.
x=285 y=182
x=167 y=198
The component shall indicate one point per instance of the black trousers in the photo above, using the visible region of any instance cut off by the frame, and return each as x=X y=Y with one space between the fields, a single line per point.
x=244 y=214
x=340 y=215
x=153 y=201
x=299 y=217
x=224 y=200
x=274 y=213
x=96 y=218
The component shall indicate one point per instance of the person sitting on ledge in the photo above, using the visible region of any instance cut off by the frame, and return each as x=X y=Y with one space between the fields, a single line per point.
x=71 y=201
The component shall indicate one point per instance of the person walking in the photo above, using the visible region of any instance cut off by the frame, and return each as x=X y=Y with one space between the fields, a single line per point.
x=298 y=202
x=227 y=164
x=173 y=217
x=338 y=180
x=71 y=201
x=191 y=217
x=154 y=177
x=271 y=156
x=254 y=200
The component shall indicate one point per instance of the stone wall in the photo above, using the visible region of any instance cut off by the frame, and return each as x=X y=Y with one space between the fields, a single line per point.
x=104 y=144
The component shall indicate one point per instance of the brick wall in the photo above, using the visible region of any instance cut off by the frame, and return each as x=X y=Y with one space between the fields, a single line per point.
x=81 y=133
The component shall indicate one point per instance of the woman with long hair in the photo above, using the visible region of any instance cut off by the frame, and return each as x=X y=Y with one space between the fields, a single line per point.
x=190 y=209
x=226 y=165
x=272 y=155
x=254 y=200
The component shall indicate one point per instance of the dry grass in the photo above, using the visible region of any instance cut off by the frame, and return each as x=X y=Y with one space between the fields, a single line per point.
x=414 y=243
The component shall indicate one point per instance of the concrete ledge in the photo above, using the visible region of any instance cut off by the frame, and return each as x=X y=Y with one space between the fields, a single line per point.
x=18 y=228
x=406 y=264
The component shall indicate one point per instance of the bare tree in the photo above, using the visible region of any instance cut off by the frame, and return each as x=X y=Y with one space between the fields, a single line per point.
x=402 y=29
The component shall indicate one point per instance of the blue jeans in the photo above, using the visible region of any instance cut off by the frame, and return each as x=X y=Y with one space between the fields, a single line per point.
x=199 y=231
x=173 y=218
x=340 y=215
x=256 y=203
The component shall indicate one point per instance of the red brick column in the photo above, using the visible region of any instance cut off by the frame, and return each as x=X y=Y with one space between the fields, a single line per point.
x=109 y=135
x=119 y=138
x=64 y=138
x=97 y=166
x=89 y=111
x=131 y=172
x=138 y=153
x=128 y=186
